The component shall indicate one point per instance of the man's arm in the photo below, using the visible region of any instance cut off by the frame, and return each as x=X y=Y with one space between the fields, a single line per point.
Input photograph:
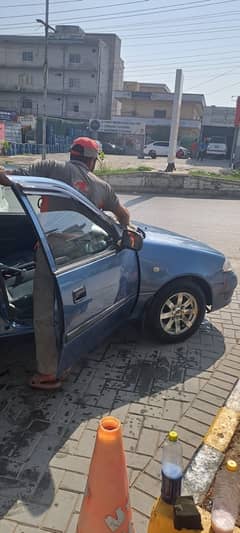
x=122 y=214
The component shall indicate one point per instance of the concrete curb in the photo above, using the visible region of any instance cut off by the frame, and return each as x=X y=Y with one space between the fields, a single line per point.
x=180 y=185
x=205 y=463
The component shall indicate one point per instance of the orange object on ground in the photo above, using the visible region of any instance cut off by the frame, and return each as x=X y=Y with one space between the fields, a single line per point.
x=106 y=506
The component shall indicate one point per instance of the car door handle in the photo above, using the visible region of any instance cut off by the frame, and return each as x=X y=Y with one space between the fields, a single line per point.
x=78 y=294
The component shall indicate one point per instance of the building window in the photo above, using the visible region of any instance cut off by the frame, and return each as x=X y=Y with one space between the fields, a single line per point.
x=94 y=50
x=27 y=55
x=74 y=58
x=74 y=83
x=93 y=75
x=27 y=104
x=25 y=80
x=76 y=108
x=160 y=113
x=91 y=100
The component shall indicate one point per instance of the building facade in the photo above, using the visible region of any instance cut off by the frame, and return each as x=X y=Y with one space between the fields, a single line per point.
x=84 y=70
x=153 y=103
x=219 y=122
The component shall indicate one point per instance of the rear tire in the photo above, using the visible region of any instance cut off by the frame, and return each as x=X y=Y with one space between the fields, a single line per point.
x=177 y=311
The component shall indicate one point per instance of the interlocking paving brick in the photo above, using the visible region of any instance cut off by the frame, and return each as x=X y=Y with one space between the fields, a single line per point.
x=172 y=410
x=26 y=513
x=148 y=410
x=59 y=515
x=107 y=398
x=129 y=444
x=148 y=441
x=154 y=469
x=6 y=526
x=196 y=414
x=201 y=405
x=148 y=484
x=136 y=460
x=196 y=427
x=71 y=463
x=73 y=482
x=48 y=486
x=73 y=524
x=159 y=424
x=86 y=443
x=26 y=529
x=210 y=398
x=132 y=426
x=140 y=522
x=141 y=502
x=151 y=389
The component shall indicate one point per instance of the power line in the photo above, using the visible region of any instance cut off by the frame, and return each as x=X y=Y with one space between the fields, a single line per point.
x=165 y=9
x=165 y=22
x=154 y=35
x=181 y=41
x=226 y=87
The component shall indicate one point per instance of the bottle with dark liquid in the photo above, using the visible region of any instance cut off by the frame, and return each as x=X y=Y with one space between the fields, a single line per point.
x=172 y=469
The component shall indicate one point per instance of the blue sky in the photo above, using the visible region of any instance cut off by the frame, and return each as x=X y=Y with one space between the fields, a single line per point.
x=200 y=36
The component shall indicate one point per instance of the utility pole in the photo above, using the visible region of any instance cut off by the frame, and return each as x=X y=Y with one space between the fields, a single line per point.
x=177 y=102
x=45 y=77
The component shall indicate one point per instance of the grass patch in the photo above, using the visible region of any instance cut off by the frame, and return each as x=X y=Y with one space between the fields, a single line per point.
x=230 y=175
x=129 y=170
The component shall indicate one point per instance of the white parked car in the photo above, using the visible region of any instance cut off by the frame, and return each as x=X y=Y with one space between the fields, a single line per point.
x=160 y=148
x=217 y=146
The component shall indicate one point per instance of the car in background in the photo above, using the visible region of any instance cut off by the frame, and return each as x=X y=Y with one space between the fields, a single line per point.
x=161 y=149
x=113 y=149
x=217 y=147
x=104 y=274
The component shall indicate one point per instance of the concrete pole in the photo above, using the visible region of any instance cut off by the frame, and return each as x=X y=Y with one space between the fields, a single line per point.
x=45 y=83
x=177 y=102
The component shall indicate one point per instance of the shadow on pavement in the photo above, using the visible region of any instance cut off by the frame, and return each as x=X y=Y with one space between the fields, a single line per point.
x=35 y=426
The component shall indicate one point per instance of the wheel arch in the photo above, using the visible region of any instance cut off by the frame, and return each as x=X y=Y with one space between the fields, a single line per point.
x=202 y=283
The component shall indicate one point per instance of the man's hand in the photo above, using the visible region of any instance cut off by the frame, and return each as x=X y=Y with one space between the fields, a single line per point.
x=122 y=215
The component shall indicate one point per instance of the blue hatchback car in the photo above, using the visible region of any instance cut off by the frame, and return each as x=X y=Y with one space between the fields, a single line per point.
x=103 y=274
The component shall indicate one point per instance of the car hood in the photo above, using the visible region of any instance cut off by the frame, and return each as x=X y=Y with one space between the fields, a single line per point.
x=160 y=236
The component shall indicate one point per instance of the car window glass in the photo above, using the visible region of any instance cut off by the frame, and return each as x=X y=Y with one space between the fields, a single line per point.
x=9 y=202
x=71 y=235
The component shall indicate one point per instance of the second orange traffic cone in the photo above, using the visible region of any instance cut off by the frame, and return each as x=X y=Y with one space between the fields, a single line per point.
x=106 y=506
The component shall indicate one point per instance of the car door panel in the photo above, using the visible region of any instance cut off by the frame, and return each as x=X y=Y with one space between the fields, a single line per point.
x=107 y=281
x=111 y=292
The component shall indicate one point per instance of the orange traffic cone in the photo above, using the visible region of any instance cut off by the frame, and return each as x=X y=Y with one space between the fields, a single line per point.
x=106 y=506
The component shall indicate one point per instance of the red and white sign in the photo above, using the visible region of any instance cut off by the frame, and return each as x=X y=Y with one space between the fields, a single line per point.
x=237 y=114
x=2 y=131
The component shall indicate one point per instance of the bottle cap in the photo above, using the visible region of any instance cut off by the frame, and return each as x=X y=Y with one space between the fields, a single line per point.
x=231 y=466
x=172 y=436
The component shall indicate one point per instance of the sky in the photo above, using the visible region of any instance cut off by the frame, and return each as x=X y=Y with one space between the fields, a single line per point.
x=158 y=36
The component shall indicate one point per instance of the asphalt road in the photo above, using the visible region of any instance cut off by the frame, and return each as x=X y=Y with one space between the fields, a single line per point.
x=216 y=222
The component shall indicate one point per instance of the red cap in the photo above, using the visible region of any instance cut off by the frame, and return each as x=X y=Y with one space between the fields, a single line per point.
x=86 y=147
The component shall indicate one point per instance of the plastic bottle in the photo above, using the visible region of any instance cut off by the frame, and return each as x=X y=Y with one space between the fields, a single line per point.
x=226 y=499
x=172 y=469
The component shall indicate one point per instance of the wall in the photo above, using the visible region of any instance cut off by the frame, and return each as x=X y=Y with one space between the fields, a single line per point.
x=174 y=184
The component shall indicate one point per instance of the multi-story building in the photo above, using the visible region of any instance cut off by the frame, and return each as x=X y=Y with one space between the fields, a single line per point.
x=153 y=103
x=84 y=70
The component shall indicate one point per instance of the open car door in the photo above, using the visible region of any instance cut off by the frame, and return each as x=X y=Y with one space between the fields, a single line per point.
x=96 y=282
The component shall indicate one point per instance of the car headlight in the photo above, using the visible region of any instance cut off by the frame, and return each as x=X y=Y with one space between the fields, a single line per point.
x=227 y=267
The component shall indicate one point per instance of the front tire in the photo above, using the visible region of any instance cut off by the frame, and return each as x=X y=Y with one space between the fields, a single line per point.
x=152 y=154
x=177 y=311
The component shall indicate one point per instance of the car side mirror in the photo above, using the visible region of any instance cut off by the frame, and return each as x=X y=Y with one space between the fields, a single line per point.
x=131 y=240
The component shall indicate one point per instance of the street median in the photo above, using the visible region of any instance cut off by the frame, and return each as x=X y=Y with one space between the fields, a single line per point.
x=166 y=184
